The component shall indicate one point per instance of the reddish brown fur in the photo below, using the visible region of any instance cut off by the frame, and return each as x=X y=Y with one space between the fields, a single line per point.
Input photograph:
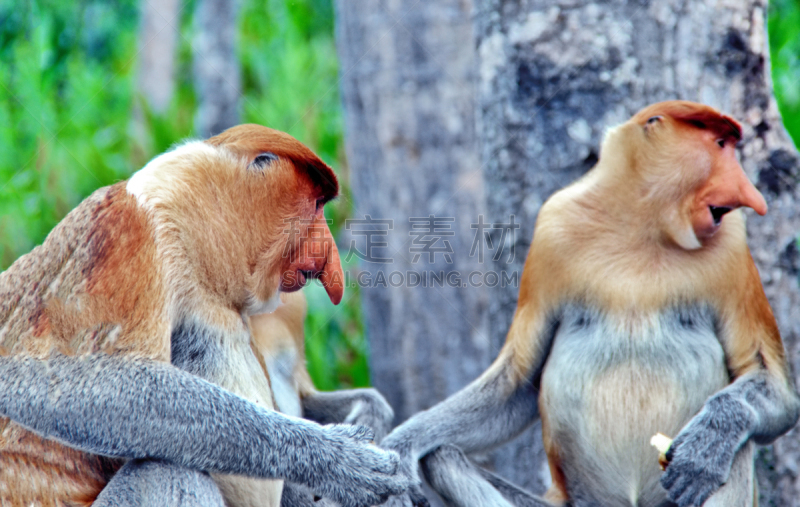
x=77 y=266
x=113 y=273
x=697 y=115
x=249 y=140
x=557 y=493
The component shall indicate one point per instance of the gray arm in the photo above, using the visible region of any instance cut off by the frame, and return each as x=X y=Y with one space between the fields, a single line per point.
x=489 y=411
x=363 y=407
x=756 y=406
x=138 y=409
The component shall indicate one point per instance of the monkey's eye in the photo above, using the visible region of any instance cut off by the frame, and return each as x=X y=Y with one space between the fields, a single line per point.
x=653 y=119
x=263 y=160
x=721 y=143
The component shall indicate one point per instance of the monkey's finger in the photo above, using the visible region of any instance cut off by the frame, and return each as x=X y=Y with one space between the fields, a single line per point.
x=381 y=461
x=670 y=476
x=678 y=486
x=702 y=494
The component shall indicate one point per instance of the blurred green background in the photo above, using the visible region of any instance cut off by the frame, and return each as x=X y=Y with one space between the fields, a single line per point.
x=68 y=96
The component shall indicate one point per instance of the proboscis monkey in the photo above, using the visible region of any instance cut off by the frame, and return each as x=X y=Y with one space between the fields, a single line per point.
x=127 y=368
x=640 y=311
x=279 y=340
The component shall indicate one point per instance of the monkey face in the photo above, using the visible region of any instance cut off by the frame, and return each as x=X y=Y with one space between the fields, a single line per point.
x=286 y=186
x=246 y=209
x=725 y=189
x=692 y=152
x=311 y=253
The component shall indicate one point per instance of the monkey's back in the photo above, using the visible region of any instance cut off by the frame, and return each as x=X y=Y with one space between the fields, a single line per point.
x=62 y=298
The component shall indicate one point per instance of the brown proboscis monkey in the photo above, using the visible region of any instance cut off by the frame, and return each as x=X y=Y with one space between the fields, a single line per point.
x=640 y=311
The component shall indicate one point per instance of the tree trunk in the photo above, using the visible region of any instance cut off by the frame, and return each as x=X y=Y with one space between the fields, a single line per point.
x=550 y=79
x=158 y=35
x=159 y=27
x=407 y=70
x=553 y=77
x=216 y=66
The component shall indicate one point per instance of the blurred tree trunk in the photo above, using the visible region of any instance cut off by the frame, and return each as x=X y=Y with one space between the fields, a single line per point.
x=155 y=80
x=158 y=34
x=549 y=78
x=216 y=66
x=407 y=74
x=554 y=75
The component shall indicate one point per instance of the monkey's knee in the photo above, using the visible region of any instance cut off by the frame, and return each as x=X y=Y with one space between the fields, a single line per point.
x=461 y=483
x=147 y=482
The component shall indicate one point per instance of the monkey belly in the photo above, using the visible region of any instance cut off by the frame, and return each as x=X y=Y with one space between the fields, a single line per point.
x=611 y=383
x=42 y=472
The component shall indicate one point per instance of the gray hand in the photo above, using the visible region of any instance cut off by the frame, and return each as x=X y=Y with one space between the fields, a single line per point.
x=701 y=456
x=348 y=469
x=414 y=497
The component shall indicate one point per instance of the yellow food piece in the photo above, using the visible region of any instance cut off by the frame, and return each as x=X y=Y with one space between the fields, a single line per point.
x=662 y=443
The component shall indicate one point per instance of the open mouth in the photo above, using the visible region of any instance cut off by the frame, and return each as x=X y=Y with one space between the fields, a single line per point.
x=295 y=280
x=717 y=212
x=304 y=275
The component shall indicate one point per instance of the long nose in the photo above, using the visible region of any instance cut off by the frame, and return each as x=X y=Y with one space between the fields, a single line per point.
x=332 y=276
x=731 y=188
x=750 y=196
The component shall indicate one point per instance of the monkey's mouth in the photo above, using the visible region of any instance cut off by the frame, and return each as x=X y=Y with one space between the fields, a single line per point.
x=717 y=212
x=293 y=280
x=304 y=275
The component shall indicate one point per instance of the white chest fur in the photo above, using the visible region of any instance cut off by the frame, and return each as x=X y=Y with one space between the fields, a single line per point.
x=245 y=377
x=284 y=387
x=610 y=383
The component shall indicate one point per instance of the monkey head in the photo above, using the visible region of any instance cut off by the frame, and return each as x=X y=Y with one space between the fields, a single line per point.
x=245 y=208
x=683 y=157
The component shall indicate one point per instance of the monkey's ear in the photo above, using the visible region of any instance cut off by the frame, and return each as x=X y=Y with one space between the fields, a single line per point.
x=263 y=160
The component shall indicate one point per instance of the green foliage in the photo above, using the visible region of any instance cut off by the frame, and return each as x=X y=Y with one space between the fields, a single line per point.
x=784 y=43
x=67 y=102
x=64 y=102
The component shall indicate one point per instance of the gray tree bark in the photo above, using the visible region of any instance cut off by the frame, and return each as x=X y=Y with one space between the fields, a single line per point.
x=159 y=28
x=553 y=76
x=216 y=66
x=158 y=35
x=548 y=78
x=407 y=74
